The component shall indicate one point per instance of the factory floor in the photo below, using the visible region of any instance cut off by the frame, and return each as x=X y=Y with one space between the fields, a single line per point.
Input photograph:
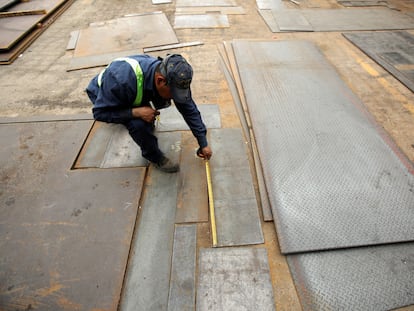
x=37 y=83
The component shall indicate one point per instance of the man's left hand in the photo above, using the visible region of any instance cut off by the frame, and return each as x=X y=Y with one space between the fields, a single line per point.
x=205 y=153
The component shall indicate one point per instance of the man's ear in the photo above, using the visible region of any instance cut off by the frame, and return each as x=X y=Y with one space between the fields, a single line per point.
x=160 y=80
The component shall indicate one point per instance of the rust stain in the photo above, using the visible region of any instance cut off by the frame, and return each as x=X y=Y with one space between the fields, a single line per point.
x=67 y=304
x=43 y=292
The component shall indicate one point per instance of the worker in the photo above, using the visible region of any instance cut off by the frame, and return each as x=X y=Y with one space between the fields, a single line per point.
x=132 y=90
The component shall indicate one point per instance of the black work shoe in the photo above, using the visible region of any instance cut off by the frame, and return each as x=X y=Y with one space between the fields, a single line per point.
x=167 y=166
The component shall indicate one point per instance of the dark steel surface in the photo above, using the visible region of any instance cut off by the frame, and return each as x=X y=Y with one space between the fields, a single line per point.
x=13 y=29
x=192 y=200
x=125 y=34
x=183 y=269
x=336 y=19
x=64 y=234
x=147 y=282
x=392 y=50
x=236 y=209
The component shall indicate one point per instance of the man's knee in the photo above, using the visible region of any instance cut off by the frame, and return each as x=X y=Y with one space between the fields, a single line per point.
x=99 y=115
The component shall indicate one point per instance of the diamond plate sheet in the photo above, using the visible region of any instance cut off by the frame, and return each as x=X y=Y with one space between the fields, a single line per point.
x=375 y=278
x=393 y=50
x=332 y=180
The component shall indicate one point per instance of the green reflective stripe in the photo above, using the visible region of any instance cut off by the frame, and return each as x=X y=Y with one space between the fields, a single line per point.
x=100 y=78
x=138 y=73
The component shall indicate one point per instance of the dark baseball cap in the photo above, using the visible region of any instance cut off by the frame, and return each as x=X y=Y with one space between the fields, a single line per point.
x=179 y=74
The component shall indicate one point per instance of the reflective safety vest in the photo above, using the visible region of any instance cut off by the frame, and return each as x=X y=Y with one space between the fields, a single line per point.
x=138 y=73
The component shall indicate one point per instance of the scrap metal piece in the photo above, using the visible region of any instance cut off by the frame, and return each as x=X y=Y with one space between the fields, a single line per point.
x=172 y=46
x=183 y=269
x=192 y=198
x=234 y=278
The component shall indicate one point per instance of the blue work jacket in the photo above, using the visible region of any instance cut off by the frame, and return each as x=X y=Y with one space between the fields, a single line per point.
x=119 y=89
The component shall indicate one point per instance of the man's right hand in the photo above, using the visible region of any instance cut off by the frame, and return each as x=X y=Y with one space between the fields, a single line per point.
x=145 y=113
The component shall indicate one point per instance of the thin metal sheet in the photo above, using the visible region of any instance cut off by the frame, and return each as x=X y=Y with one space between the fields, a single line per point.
x=171 y=120
x=172 y=46
x=394 y=51
x=7 y=57
x=264 y=199
x=61 y=230
x=194 y=3
x=110 y=145
x=357 y=19
x=269 y=4
x=360 y=3
x=122 y=34
x=292 y=20
x=234 y=279
x=148 y=276
x=229 y=10
x=90 y=61
x=73 y=39
x=338 y=19
x=375 y=278
x=122 y=151
x=192 y=201
x=270 y=20
x=13 y=29
x=201 y=21
x=332 y=180
x=46 y=118
x=161 y=1
x=183 y=269
x=236 y=209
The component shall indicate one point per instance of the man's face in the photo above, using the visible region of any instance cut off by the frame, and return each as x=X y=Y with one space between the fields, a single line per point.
x=162 y=88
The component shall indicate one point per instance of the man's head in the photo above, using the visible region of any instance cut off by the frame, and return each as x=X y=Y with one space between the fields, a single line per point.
x=174 y=78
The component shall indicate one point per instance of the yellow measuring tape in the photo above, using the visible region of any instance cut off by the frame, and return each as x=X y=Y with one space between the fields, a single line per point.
x=211 y=204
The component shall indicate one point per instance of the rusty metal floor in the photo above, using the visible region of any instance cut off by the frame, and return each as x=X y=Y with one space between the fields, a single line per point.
x=64 y=236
